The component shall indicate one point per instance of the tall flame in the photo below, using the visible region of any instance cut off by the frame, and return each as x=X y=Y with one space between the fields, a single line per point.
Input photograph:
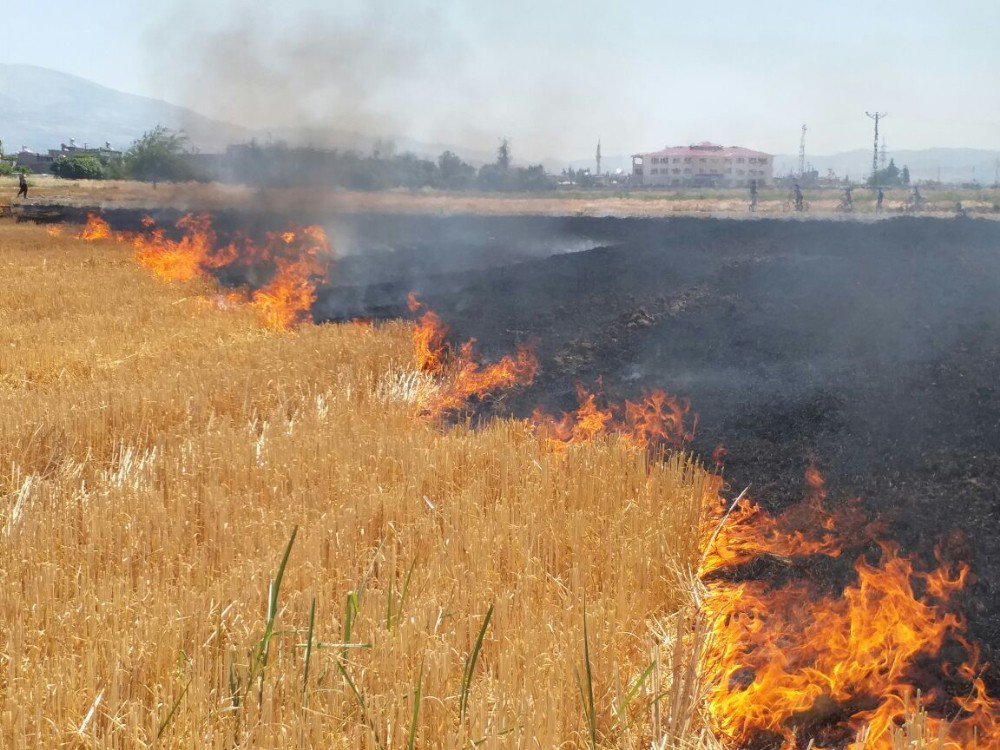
x=791 y=663
x=296 y=261
x=430 y=338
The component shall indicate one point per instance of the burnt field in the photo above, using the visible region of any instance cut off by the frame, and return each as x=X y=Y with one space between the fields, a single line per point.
x=871 y=349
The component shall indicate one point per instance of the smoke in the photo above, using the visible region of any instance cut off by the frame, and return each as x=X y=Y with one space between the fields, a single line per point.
x=305 y=74
x=348 y=74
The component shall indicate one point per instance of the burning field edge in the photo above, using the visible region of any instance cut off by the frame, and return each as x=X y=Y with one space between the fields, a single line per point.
x=807 y=628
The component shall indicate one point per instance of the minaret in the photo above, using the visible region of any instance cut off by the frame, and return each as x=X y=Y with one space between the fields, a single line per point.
x=598 y=157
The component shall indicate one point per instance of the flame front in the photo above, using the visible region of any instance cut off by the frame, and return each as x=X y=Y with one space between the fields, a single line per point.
x=461 y=377
x=295 y=262
x=787 y=664
x=96 y=228
x=656 y=419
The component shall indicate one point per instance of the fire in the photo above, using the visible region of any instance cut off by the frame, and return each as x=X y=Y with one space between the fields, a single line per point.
x=791 y=663
x=430 y=339
x=96 y=228
x=177 y=260
x=462 y=378
x=656 y=419
x=287 y=299
x=466 y=379
x=295 y=261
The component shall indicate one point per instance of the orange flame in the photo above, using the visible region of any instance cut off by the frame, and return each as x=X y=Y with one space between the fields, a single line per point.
x=788 y=663
x=430 y=339
x=461 y=377
x=177 y=260
x=95 y=229
x=299 y=259
x=657 y=419
x=287 y=299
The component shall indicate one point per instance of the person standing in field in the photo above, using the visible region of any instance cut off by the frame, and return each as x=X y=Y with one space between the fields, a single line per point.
x=23 y=186
x=753 y=196
x=799 y=203
x=878 y=201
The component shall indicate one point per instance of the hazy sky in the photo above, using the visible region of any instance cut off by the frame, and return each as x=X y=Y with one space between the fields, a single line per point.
x=551 y=75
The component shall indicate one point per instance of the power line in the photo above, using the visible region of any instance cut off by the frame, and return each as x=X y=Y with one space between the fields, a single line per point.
x=876 y=116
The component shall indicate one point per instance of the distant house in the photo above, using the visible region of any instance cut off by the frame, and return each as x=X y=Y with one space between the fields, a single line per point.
x=37 y=162
x=703 y=165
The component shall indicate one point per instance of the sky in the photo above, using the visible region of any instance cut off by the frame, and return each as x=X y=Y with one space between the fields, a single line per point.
x=552 y=76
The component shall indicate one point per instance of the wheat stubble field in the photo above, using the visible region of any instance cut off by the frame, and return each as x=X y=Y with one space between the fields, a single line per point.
x=443 y=588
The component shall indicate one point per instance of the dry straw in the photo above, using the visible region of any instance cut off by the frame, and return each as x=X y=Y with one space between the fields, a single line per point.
x=159 y=453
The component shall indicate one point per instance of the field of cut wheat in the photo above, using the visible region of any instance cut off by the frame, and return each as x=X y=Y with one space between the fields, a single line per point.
x=214 y=534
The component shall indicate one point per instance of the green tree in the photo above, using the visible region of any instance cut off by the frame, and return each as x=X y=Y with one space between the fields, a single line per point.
x=904 y=177
x=503 y=154
x=160 y=155
x=455 y=173
x=891 y=175
x=79 y=168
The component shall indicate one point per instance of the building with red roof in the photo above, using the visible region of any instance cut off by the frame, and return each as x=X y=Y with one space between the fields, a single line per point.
x=703 y=165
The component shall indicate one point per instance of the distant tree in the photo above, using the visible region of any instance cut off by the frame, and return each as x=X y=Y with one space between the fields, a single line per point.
x=503 y=154
x=160 y=155
x=79 y=168
x=454 y=172
x=891 y=175
x=904 y=177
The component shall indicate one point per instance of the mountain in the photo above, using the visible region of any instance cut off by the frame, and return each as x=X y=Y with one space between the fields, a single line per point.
x=43 y=108
x=944 y=164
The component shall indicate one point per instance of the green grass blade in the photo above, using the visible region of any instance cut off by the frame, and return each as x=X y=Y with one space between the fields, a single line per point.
x=170 y=715
x=406 y=591
x=273 y=590
x=361 y=704
x=470 y=666
x=388 y=607
x=416 y=708
x=309 y=645
x=589 y=707
x=351 y=609
x=621 y=713
x=273 y=609
x=354 y=688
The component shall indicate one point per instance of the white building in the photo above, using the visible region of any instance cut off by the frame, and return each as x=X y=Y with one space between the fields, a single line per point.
x=703 y=165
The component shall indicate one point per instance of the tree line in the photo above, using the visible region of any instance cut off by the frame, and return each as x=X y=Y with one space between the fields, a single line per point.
x=162 y=155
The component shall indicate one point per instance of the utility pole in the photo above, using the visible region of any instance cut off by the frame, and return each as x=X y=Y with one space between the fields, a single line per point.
x=881 y=156
x=876 y=116
x=802 y=153
x=598 y=157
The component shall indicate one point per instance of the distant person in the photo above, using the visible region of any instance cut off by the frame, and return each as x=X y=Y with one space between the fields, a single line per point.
x=848 y=199
x=878 y=201
x=960 y=212
x=23 y=186
x=753 y=196
x=799 y=203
